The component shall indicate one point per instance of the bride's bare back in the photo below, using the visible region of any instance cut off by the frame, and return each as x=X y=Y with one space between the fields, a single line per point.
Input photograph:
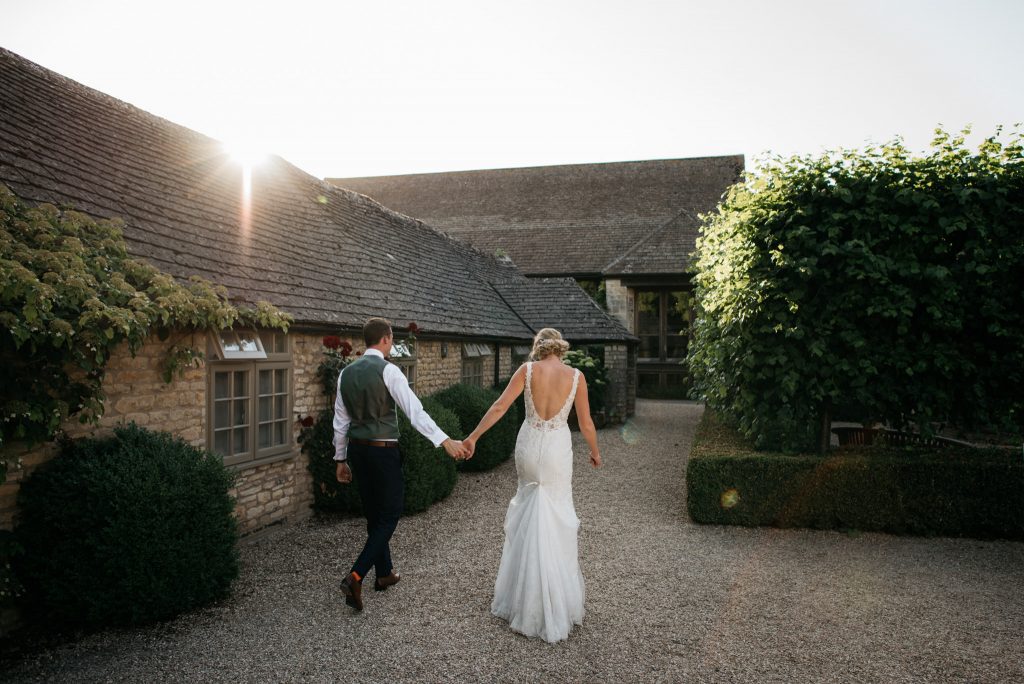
x=552 y=382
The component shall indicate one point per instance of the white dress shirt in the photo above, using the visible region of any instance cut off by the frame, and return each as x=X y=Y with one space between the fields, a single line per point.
x=398 y=387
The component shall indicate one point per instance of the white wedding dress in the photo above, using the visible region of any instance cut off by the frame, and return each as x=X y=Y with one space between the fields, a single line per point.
x=539 y=589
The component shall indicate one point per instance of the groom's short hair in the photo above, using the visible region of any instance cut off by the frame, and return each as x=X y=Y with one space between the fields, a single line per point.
x=375 y=330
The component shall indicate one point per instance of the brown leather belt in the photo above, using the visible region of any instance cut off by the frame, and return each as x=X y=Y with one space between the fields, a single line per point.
x=373 y=442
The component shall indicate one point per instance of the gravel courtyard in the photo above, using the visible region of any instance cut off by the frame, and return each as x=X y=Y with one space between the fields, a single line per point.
x=667 y=600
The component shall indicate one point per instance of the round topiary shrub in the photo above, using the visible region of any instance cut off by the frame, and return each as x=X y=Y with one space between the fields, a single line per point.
x=428 y=472
x=470 y=403
x=126 y=530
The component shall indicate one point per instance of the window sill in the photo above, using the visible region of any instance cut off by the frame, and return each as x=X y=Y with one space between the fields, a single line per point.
x=265 y=460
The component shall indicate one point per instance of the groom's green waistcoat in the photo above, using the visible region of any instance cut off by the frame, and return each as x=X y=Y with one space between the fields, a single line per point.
x=367 y=399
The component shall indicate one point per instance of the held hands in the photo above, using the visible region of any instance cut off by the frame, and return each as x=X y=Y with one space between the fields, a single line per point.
x=343 y=473
x=456 y=449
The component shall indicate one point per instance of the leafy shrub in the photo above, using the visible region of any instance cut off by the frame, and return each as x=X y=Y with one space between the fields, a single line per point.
x=873 y=283
x=594 y=371
x=900 y=490
x=470 y=403
x=126 y=530
x=428 y=472
x=10 y=586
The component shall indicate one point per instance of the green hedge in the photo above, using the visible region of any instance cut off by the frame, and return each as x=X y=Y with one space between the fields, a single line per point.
x=954 y=492
x=872 y=285
x=470 y=403
x=126 y=530
x=429 y=472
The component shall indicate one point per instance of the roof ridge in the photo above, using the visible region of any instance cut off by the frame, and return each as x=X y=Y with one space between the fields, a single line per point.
x=578 y=165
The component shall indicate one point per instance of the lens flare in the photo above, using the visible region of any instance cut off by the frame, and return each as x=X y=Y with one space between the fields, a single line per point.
x=630 y=432
x=729 y=498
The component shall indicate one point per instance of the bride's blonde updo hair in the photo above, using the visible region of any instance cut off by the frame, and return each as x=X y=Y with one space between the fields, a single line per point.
x=547 y=342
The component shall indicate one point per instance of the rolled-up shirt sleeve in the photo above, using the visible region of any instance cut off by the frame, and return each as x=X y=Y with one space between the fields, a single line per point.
x=398 y=386
x=341 y=423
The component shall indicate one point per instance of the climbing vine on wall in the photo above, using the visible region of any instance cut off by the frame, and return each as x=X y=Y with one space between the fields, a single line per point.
x=70 y=295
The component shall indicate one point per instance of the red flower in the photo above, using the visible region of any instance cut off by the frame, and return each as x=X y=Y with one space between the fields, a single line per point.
x=413 y=328
x=307 y=421
x=332 y=341
x=359 y=353
x=346 y=348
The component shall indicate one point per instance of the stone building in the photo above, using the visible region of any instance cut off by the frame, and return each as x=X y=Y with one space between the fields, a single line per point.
x=270 y=232
x=625 y=229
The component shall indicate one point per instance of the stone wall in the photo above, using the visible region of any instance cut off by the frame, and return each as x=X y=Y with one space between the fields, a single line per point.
x=620 y=302
x=438 y=365
x=270 y=492
x=505 y=367
x=135 y=392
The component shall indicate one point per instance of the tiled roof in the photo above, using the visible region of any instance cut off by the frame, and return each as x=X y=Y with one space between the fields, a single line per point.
x=578 y=220
x=560 y=303
x=327 y=255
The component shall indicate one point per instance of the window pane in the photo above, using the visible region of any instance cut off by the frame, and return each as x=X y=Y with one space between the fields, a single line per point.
x=265 y=406
x=221 y=412
x=274 y=342
x=222 y=442
x=281 y=380
x=241 y=384
x=247 y=342
x=280 y=406
x=678 y=323
x=264 y=438
x=648 y=324
x=241 y=413
x=241 y=444
x=280 y=432
x=221 y=385
x=266 y=382
x=230 y=341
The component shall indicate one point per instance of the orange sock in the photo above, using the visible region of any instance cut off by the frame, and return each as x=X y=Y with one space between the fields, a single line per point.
x=356 y=575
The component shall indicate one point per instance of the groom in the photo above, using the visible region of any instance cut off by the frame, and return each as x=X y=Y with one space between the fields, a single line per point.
x=366 y=435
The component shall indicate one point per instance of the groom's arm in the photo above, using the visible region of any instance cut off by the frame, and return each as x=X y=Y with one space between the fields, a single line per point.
x=398 y=386
x=342 y=421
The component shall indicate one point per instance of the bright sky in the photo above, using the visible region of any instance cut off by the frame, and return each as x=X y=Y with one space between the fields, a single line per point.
x=343 y=88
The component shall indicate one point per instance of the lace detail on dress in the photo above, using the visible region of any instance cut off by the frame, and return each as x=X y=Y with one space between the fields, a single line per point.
x=557 y=421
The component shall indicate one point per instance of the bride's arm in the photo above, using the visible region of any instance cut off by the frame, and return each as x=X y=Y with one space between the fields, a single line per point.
x=589 y=432
x=498 y=408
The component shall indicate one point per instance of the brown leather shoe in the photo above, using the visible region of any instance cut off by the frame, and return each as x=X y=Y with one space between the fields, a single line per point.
x=353 y=590
x=382 y=583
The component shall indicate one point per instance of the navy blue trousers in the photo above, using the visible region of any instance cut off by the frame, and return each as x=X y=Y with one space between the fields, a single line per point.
x=378 y=474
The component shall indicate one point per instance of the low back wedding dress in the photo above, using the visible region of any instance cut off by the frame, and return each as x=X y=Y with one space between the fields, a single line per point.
x=539 y=588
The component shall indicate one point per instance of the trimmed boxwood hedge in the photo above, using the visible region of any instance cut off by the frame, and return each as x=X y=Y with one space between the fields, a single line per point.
x=126 y=530
x=953 y=492
x=428 y=472
x=470 y=403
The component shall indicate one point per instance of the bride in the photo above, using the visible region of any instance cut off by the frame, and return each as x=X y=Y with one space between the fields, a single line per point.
x=539 y=588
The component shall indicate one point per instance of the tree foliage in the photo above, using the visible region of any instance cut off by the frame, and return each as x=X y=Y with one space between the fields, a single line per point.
x=69 y=295
x=871 y=284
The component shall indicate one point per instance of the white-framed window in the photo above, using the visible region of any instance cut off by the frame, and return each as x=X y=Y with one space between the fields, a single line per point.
x=473 y=354
x=250 y=397
x=403 y=355
x=239 y=344
x=520 y=354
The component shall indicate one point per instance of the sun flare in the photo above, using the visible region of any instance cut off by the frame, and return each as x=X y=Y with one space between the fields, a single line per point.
x=245 y=152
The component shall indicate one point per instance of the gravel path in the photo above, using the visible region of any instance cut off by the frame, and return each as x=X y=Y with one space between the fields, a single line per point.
x=667 y=600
